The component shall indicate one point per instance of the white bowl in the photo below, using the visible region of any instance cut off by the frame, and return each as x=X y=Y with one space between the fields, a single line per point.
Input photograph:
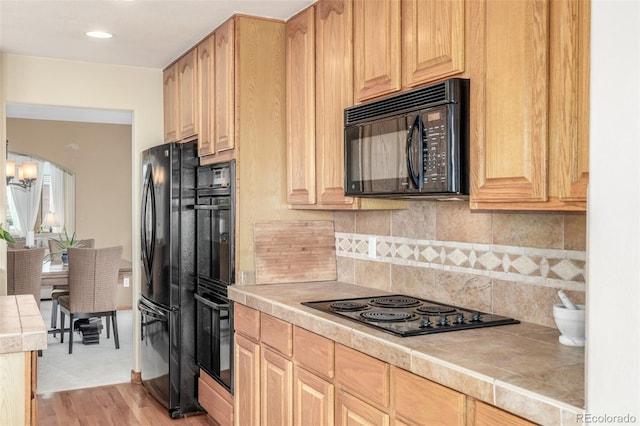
x=570 y=322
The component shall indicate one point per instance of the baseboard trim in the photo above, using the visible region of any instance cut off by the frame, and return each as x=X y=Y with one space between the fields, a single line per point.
x=136 y=377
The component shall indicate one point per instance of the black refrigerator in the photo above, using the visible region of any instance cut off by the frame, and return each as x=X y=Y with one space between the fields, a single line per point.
x=167 y=307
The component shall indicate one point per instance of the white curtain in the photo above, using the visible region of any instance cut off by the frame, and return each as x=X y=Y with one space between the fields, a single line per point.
x=26 y=203
x=57 y=195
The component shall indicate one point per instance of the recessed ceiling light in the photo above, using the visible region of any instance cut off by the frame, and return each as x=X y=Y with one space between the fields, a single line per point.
x=99 y=34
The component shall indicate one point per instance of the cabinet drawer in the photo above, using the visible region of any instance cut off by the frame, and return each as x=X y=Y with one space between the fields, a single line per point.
x=363 y=375
x=277 y=334
x=488 y=415
x=424 y=402
x=215 y=399
x=246 y=321
x=314 y=352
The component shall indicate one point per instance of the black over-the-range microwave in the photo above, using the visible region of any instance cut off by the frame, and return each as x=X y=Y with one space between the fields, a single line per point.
x=412 y=144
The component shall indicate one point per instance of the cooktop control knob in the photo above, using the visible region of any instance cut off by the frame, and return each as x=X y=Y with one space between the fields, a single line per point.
x=475 y=316
x=443 y=320
x=459 y=318
x=426 y=322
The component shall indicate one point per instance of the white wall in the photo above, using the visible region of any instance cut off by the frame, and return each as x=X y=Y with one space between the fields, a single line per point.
x=42 y=81
x=613 y=292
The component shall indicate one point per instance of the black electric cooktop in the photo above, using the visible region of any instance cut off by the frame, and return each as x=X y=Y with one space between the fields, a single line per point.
x=409 y=316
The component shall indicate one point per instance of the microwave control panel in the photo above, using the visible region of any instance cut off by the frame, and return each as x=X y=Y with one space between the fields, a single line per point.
x=435 y=150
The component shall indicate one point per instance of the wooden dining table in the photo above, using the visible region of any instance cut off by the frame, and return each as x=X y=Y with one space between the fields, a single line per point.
x=57 y=276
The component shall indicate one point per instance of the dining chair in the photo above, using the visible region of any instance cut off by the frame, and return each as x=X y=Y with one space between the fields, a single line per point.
x=24 y=271
x=58 y=291
x=93 y=283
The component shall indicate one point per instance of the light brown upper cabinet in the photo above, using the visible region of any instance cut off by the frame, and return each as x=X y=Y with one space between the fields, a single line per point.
x=216 y=66
x=170 y=102
x=188 y=95
x=529 y=69
x=399 y=44
x=180 y=98
x=224 y=86
x=206 y=95
x=300 y=108
x=319 y=82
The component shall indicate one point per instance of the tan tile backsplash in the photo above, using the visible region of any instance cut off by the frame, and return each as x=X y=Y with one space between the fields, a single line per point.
x=507 y=263
x=528 y=229
x=456 y=222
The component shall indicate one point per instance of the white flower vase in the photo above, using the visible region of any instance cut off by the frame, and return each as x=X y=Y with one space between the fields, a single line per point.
x=570 y=322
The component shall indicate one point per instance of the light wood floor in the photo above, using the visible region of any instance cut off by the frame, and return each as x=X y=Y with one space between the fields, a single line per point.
x=119 y=405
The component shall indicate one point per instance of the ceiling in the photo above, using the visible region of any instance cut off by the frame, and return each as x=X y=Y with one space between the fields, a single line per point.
x=147 y=33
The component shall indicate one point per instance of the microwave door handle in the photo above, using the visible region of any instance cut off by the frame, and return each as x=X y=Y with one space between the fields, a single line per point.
x=417 y=179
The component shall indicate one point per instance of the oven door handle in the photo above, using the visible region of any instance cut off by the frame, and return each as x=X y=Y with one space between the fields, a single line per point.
x=210 y=207
x=212 y=304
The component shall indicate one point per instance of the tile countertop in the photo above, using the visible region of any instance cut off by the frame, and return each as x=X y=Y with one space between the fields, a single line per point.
x=520 y=368
x=22 y=327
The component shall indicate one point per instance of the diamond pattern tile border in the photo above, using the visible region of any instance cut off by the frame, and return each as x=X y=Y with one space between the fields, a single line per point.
x=547 y=267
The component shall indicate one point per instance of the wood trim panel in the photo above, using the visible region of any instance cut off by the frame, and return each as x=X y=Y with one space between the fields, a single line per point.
x=215 y=399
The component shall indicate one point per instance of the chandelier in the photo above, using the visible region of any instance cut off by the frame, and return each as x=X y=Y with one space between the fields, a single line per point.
x=27 y=173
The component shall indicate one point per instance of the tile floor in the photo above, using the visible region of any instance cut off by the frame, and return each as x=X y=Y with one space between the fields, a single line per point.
x=89 y=365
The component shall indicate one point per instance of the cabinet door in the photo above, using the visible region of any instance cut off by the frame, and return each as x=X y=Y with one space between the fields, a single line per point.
x=246 y=410
x=224 y=87
x=188 y=98
x=277 y=393
x=170 y=102
x=313 y=400
x=509 y=100
x=206 y=96
x=333 y=82
x=569 y=106
x=432 y=40
x=376 y=45
x=300 y=108
x=350 y=411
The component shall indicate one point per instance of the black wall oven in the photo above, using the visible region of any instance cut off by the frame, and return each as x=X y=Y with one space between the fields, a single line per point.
x=215 y=270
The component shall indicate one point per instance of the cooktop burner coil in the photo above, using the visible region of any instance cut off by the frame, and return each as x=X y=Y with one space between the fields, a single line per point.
x=395 y=302
x=348 y=306
x=391 y=316
x=434 y=310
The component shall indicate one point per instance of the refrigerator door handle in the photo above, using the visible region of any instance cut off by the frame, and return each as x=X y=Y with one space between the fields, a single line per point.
x=148 y=208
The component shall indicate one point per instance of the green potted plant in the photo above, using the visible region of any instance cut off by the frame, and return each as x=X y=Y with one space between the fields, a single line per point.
x=5 y=235
x=63 y=243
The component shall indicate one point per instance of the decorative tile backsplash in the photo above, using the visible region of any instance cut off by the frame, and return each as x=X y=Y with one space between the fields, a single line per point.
x=545 y=267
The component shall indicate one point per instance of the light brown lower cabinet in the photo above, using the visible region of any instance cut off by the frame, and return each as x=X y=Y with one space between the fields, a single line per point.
x=352 y=411
x=286 y=375
x=276 y=381
x=312 y=400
